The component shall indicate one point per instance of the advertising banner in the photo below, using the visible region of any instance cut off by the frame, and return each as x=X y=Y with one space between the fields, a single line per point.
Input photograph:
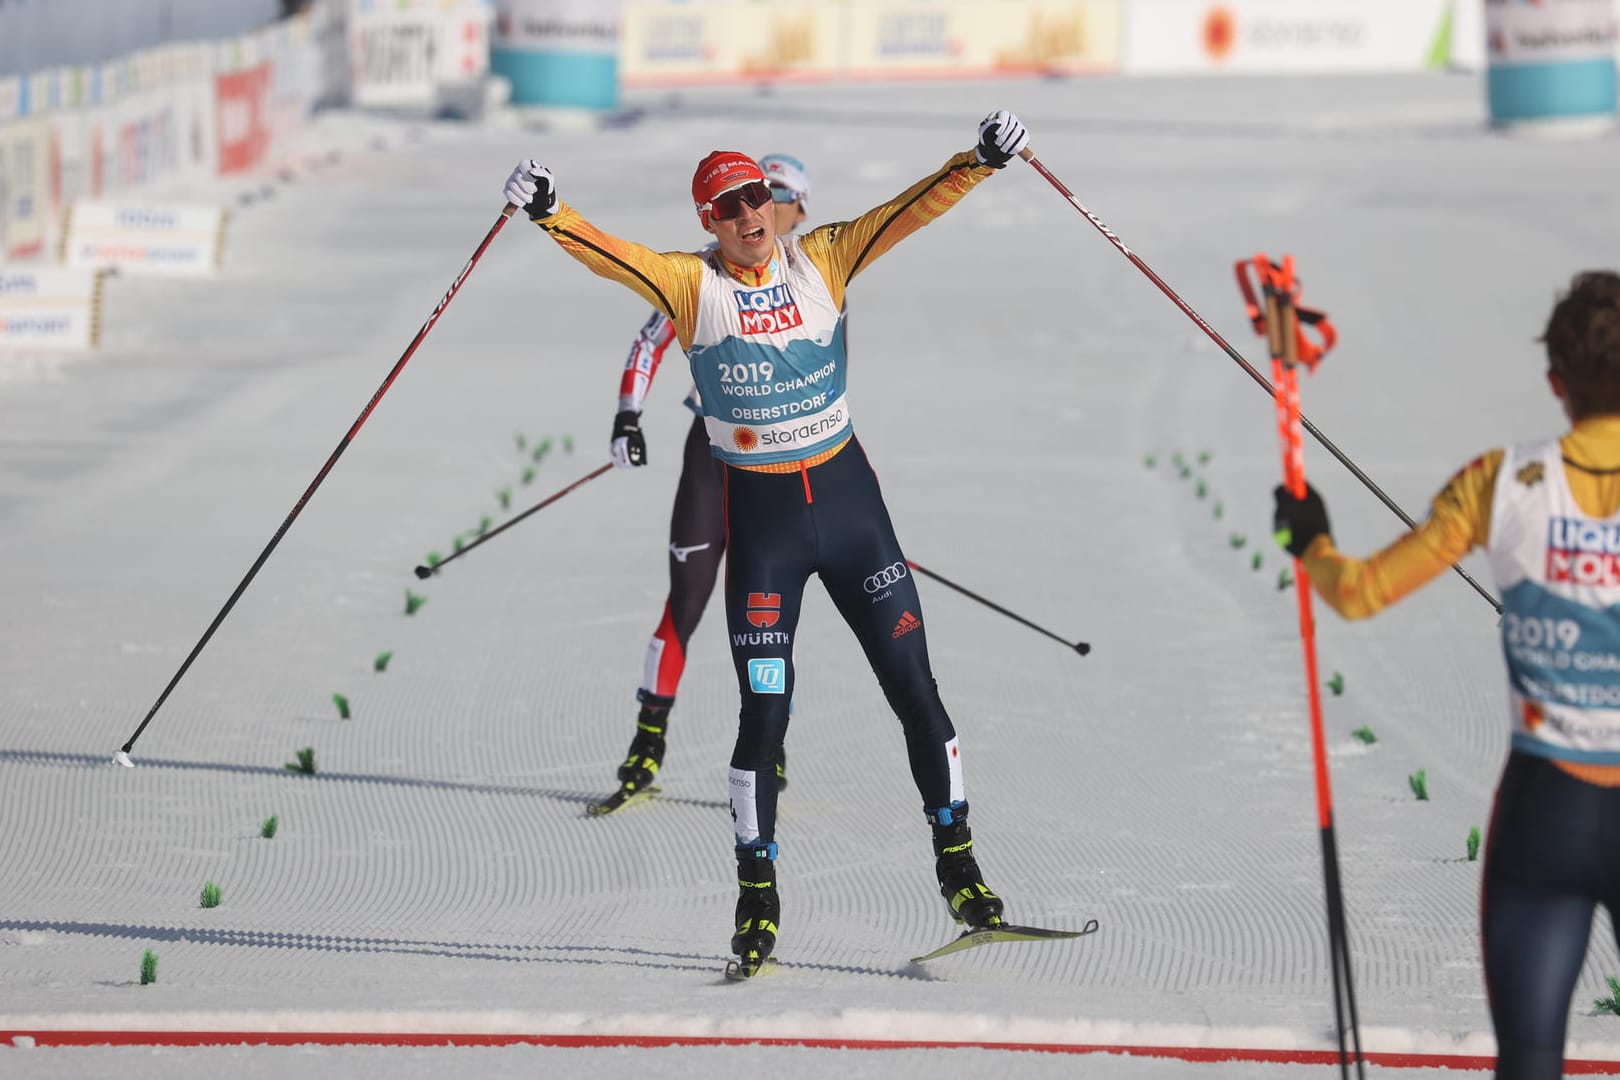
x=1551 y=62
x=49 y=307
x=668 y=42
x=24 y=188
x=559 y=52
x=402 y=52
x=173 y=240
x=992 y=37
x=242 y=117
x=1253 y=36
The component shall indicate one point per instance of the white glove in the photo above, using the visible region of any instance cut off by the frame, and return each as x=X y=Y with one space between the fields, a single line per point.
x=532 y=187
x=1001 y=136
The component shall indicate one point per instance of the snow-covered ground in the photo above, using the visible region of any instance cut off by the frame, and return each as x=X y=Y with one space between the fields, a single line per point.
x=1011 y=374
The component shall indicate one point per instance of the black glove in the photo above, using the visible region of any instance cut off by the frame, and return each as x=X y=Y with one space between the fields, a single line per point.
x=1297 y=522
x=1001 y=136
x=629 y=447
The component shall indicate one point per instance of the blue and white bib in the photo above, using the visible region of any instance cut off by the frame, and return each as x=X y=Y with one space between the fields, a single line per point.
x=1559 y=572
x=769 y=362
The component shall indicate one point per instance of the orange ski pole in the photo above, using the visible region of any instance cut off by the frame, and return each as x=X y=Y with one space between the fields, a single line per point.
x=1283 y=324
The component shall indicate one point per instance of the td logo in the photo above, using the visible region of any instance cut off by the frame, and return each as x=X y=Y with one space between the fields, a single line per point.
x=767 y=676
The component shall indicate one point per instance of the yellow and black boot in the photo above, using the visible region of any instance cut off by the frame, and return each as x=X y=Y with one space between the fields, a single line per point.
x=646 y=754
x=960 y=882
x=758 y=907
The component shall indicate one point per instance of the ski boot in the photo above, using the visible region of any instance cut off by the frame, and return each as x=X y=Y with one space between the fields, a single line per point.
x=758 y=909
x=960 y=882
x=646 y=754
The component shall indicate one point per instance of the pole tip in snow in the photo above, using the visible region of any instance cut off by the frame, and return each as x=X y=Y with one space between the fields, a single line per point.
x=424 y=572
x=122 y=758
x=1082 y=647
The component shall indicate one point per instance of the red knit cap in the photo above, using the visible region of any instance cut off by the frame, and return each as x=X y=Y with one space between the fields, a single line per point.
x=721 y=171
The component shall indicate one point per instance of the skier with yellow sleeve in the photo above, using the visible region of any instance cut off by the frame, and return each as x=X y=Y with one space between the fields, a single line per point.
x=761 y=319
x=1547 y=514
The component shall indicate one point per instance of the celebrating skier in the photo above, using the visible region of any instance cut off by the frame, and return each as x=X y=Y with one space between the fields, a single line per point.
x=1547 y=513
x=761 y=319
x=697 y=530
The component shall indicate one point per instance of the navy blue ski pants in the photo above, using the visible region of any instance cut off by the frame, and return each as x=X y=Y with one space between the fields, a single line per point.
x=1552 y=856
x=828 y=520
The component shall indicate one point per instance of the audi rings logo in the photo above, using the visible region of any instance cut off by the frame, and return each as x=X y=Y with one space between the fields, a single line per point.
x=885 y=577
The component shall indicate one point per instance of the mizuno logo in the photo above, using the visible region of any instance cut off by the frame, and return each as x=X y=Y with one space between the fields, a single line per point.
x=681 y=553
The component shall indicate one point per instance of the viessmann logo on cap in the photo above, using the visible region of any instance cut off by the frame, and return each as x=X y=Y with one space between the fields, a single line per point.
x=721 y=170
x=726 y=172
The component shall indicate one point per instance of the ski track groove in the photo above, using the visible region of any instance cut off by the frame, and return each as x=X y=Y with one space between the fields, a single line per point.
x=442 y=856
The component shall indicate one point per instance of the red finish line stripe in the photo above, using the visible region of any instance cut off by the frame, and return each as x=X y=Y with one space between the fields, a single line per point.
x=1392 y=1060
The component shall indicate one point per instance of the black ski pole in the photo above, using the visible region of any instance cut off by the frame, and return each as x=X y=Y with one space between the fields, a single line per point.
x=122 y=757
x=1080 y=647
x=1187 y=309
x=425 y=572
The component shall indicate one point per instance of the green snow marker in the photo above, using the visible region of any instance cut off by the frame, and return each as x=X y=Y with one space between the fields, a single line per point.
x=434 y=559
x=1610 y=1004
x=1201 y=490
x=541 y=449
x=1336 y=684
x=568 y=444
x=505 y=497
x=210 y=895
x=381 y=663
x=1237 y=540
x=1149 y=461
x=148 y=967
x=483 y=525
x=268 y=829
x=342 y=704
x=1204 y=456
x=1473 y=844
x=413 y=603
x=306 y=762
x=1220 y=510
x=1257 y=560
x=1365 y=734
x=1420 y=784
x=528 y=475
x=521 y=440
x=1285 y=578
x=457 y=545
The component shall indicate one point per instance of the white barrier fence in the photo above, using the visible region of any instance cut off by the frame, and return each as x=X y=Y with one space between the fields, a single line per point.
x=165 y=115
x=162 y=239
x=50 y=307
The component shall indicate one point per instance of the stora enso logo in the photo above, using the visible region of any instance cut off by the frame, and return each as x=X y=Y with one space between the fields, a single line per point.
x=766 y=311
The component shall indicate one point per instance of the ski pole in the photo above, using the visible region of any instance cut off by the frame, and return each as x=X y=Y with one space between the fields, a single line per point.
x=1282 y=323
x=122 y=757
x=425 y=572
x=1080 y=647
x=1187 y=309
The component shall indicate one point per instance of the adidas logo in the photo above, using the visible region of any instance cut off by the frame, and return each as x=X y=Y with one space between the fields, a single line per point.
x=908 y=622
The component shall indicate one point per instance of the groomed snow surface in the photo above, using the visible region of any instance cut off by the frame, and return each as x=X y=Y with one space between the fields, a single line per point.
x=1011 y=373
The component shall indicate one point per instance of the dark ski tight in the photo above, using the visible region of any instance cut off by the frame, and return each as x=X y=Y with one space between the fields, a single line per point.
x=1553 y=855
